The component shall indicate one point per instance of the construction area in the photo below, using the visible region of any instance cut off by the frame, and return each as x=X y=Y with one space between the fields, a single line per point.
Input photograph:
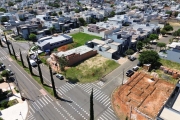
x=142 y=97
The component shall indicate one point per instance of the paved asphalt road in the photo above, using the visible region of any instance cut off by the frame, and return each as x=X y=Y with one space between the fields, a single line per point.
x=76 y=106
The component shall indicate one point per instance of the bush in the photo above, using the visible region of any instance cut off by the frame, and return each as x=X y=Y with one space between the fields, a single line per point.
x=4 y=104
x=12 y=102
x=1 y=79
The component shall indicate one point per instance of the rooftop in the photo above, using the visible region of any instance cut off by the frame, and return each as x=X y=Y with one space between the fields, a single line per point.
x=79 y=50
x=54 y=39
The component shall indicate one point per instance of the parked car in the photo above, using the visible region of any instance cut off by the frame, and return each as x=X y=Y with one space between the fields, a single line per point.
x=8 y=42
x=132 y=58
x=135 y=68
x=10 y=72
x=60 y=76
x=129 y=73
x=139 y=64
x=2 y=66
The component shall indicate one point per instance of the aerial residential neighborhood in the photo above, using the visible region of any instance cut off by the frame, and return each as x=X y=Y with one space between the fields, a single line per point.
x=89 y=60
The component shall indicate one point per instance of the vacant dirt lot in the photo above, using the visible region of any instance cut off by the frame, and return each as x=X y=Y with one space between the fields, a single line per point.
x=141 y=97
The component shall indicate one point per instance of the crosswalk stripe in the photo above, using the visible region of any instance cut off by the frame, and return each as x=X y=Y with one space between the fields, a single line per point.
x=44 y=100
x=31 y=109
x=96 y=93
x=49 y=97
x=104 y=118
x=99 y=94
x=59 y=92
x=39 y=103
x=102 y=94
x=36 y=105
x=104 y=99
x=109 y=115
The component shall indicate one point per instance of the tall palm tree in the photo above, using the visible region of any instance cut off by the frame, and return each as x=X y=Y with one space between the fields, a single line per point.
x=91 y=106
x=52 y=80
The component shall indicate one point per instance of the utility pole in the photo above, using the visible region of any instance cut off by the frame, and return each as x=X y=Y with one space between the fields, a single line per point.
x=123 y=77
x=21 y=58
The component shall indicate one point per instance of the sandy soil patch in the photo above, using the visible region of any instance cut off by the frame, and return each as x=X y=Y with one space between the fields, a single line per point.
x=141 y=98
x=95 y=61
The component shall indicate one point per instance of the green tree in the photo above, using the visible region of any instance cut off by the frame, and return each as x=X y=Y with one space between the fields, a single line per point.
x=14 y=53
x=4 y=19
x=168 y=28
x=22 y=61
x=129 y=52
x=112 y=14
x=82 y=21
x=91 y=106
x=169 y=12
x=160 y=45
x=32 y=37
x=2 y=10
x=52 y=29
x=78 y=3
x=29 y=64
x=93 y=20
x=62 y=62
x=134 y=7
x=139 y=45
x=10 y=3
x=76 y=10
x=52 y=81
x=112 y=5
x=163 y=32
x=85 y=8
x=176 y=13
x=153 y=36
x=60 y=12
x=149 y=57
x=40 y=74
x=54 y=14
x=5 y=74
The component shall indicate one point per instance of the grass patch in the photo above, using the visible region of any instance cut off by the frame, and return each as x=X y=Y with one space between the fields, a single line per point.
x=82 y=38
x=166 y=77
x=96 y=68
x=79 y=39
x=35 y=77
x=170 y=64
x=19 y=38
x=6 y=104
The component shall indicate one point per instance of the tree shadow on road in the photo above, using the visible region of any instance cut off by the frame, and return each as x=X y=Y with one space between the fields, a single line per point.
x=64 y=100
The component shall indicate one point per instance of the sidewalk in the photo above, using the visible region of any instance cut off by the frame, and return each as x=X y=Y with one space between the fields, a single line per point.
x=15 y=112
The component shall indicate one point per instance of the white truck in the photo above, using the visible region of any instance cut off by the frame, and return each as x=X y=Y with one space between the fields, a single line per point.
x=33 y=63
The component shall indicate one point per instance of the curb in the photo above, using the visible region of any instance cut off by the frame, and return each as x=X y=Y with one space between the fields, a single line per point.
x=112 y=102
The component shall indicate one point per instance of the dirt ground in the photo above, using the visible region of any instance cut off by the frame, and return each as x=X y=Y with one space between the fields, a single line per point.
x=95 y=61
x=141 y=97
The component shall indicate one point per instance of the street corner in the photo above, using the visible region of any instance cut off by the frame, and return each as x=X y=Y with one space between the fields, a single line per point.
x=19 y=110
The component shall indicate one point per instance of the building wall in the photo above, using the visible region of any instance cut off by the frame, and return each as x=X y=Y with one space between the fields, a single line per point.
x=25 y=33
x=85 y=30
x=173 y=56
x=75 y=58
